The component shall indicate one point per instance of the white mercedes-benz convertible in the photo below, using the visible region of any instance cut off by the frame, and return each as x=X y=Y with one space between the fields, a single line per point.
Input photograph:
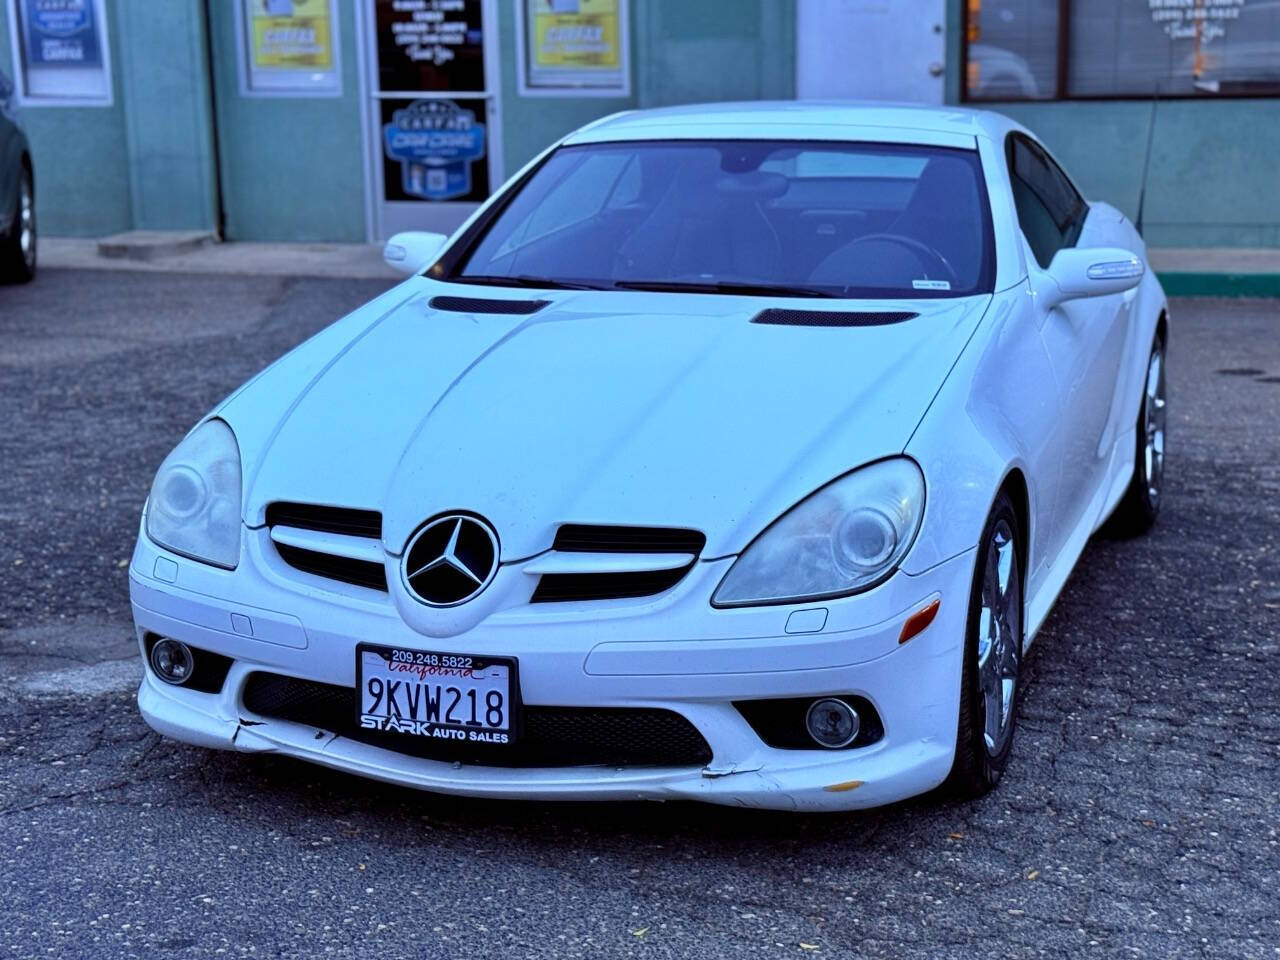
x=731 y=453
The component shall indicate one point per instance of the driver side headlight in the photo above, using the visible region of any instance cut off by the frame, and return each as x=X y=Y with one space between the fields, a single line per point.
x=194 y=507
x=846 y=537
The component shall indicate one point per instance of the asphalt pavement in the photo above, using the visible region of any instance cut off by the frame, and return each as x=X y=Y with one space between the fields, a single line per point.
x=1140 y=816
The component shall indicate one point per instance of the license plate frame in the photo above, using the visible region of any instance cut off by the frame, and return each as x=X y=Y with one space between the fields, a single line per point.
x=426 y=668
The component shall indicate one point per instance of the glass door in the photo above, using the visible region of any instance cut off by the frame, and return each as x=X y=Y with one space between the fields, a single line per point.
x=434 y=137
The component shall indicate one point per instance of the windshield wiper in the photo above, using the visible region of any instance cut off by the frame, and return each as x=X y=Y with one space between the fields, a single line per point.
x=525 y=280
x=721 y=286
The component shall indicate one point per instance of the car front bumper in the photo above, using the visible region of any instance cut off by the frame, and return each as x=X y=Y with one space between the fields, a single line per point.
x=586 y=655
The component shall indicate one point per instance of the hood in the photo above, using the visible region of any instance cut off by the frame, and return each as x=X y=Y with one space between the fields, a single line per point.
x=651 y=409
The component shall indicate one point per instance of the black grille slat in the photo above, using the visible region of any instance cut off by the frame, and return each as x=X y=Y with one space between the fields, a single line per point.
x=514 y=308
x=309 y=516
x=591 y=538
x=603 y=538
x=347 y=521
x=564 y=587
x=831 y=318
x=550 y=737
x=359 y=572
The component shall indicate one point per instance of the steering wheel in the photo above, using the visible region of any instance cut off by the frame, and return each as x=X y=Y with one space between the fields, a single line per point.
x=915 y=246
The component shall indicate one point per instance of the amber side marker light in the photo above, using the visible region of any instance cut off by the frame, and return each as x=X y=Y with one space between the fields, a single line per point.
x=918 y=621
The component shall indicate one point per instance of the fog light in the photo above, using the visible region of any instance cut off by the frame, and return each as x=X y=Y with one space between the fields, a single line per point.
x=832 y=723
x=172 y=661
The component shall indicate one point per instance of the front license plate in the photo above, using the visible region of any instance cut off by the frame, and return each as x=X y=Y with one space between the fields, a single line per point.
x=446 y=696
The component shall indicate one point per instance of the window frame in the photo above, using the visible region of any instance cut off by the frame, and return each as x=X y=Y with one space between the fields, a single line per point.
x=1063 y=68
x=1076 y=223
x=449 y=267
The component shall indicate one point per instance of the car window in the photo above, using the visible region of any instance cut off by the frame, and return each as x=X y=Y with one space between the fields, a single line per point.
x=1050 y=211
x=578 y=196
x=824 y=218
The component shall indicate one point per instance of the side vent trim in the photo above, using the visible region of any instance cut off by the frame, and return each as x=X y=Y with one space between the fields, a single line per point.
x=515 y=308
x=830 y=318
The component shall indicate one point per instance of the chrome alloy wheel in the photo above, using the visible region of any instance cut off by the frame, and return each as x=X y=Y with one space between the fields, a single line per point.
x=999 y=637
x=26 y=222
x=1153 y=423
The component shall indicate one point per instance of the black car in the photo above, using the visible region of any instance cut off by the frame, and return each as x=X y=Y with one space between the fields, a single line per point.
x=17 y=193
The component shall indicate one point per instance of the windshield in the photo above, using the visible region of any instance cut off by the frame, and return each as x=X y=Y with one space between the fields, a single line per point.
x=741 y=216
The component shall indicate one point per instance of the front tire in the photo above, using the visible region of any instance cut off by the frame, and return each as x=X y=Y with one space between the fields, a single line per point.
x=18 y=249
x=990 y=683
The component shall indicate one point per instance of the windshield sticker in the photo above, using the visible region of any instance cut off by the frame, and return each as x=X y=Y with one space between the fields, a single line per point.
x=931 y=284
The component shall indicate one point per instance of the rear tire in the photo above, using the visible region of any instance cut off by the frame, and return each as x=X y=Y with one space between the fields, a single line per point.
x=1137 y=511
x=991 y=678
x=18 y=247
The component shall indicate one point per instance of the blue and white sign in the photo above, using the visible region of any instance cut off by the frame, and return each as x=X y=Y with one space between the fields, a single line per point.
x=435 y=143
x=61 y=33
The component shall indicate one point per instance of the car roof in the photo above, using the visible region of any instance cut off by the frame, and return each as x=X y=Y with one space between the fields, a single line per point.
x=804 y=120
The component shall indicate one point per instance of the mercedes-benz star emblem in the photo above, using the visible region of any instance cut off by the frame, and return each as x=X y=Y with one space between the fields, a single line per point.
x=451 y=560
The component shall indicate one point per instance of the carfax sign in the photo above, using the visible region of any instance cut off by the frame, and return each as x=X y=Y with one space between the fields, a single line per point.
x=61 y=33
x=434 y=144
x=571 y=44
x=291 y=34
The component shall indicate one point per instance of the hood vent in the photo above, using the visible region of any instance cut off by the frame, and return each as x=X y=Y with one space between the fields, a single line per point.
x=589 y=562
x=830 y=318
x=517 y=308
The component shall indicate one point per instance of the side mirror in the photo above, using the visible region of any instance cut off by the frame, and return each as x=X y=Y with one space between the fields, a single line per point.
x=1091 y=272
x=413 y=250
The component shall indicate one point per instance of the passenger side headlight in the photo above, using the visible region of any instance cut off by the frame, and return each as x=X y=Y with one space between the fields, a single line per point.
x=194 y=507
x=846 y=537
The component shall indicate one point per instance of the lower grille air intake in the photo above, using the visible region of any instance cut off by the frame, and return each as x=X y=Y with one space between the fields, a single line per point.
x=550 y=737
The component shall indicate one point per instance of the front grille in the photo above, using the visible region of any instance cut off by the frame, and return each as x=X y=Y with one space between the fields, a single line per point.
x=310 y=516
x=562 y=587
x=346 y=521
x=362 y=573
x=550 y=736
x=589 y=538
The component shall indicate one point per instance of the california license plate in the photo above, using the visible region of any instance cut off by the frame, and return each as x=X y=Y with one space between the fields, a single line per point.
x=446 y=696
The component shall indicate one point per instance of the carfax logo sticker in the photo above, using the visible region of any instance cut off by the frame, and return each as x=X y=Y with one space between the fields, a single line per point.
x=435 y=141
x=61 y=32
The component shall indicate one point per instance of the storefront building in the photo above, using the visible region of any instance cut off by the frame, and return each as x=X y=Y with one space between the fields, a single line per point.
x=346 y=120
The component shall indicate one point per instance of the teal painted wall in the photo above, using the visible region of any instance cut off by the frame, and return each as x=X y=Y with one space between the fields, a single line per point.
x=164 y=85
x=292 y=167
x=681 y=52
x=689 y=52
x=1211 y=181
x=81 y=164
x=529 y=124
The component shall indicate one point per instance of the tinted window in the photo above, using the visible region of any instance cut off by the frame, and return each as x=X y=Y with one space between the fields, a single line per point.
x=851 y=220
x=1050 y=210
